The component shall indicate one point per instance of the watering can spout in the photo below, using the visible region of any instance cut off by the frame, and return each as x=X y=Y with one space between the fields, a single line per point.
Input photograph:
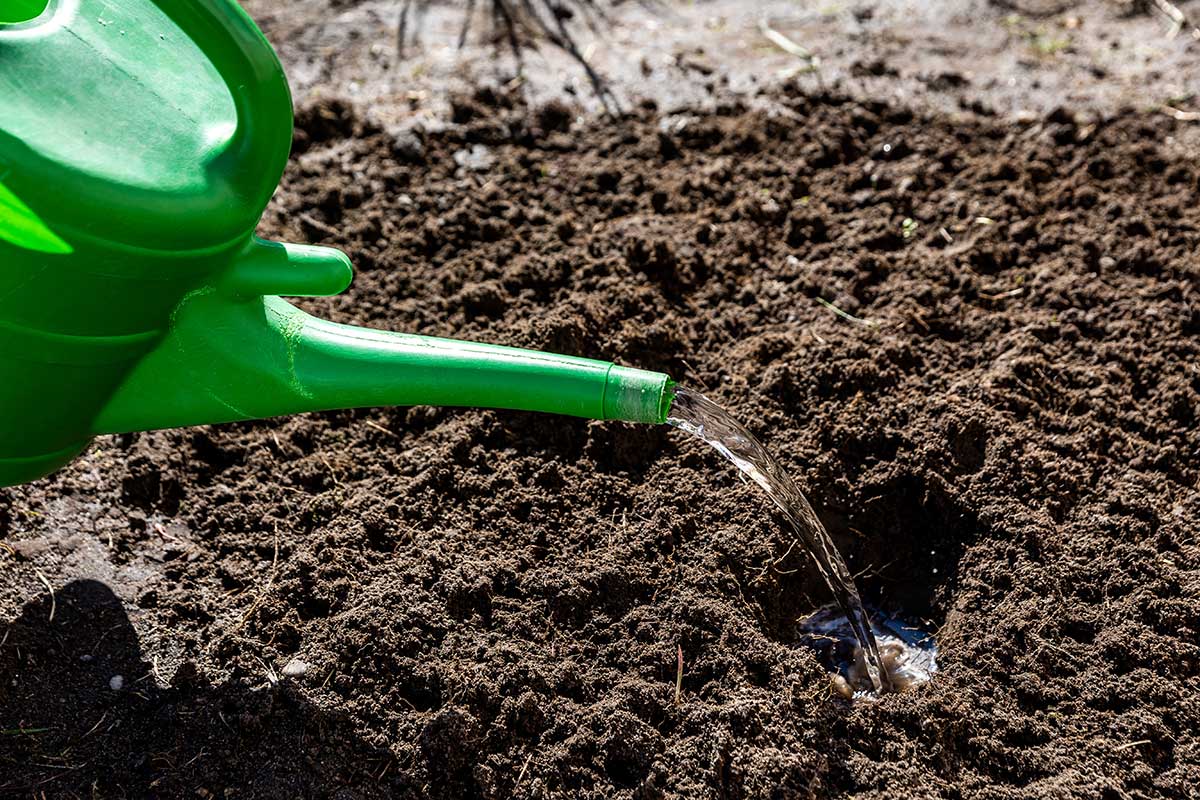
x=133 y=295
x=234 y=354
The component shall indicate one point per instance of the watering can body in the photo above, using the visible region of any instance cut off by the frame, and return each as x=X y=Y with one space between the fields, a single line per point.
x=140 y=141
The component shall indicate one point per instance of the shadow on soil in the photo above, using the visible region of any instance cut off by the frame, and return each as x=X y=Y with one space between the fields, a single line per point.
x=904 y=544
x=64 y=731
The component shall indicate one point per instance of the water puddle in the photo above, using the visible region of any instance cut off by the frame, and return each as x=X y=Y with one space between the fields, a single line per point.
x=907 y=651
x=879 y=658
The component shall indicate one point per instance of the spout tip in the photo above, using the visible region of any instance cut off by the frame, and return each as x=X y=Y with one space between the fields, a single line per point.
x=637 y=395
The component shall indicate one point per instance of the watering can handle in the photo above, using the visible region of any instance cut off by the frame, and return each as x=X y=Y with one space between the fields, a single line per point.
x=251 y=71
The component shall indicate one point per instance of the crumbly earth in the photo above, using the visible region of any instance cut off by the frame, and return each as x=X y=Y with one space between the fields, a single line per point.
x=975 y=340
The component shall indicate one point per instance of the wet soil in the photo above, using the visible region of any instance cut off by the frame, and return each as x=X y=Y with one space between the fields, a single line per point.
x=999 y=428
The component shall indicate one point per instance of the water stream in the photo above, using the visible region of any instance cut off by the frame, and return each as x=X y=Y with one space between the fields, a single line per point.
x=696 y=414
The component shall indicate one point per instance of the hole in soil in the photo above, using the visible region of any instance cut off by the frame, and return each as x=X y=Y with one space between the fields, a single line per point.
x=903 y=544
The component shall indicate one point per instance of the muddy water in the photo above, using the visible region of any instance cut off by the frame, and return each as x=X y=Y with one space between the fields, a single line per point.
x=907 y=650
x=696 y=414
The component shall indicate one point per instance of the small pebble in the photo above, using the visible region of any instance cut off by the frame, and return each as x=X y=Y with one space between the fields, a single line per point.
x=295 y=668
x=116 y=683
x=477 y=159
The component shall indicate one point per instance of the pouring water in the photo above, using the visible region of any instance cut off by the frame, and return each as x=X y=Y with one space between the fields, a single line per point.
x=694 y=413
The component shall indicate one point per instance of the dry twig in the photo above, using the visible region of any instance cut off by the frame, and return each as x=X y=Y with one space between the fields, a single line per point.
x=1180 y=115
x=847 y=315
x=679 y=675
x=50 y=589
x=519 y=24
x=1178 y=19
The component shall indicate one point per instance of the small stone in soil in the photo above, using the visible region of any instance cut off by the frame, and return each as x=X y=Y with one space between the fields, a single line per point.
x=295 y=668
x=477 y=159
x=116 y=683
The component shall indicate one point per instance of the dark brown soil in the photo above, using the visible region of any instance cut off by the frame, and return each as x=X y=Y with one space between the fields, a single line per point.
x=490 y=603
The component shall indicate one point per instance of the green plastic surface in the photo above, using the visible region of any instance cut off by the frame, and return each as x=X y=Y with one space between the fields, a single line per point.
x=290 y=362
x=13 y=11
x=140 y=141
x=23 y=228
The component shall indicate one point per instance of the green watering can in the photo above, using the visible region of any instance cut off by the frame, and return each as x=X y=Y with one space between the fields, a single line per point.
x=140 y=141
